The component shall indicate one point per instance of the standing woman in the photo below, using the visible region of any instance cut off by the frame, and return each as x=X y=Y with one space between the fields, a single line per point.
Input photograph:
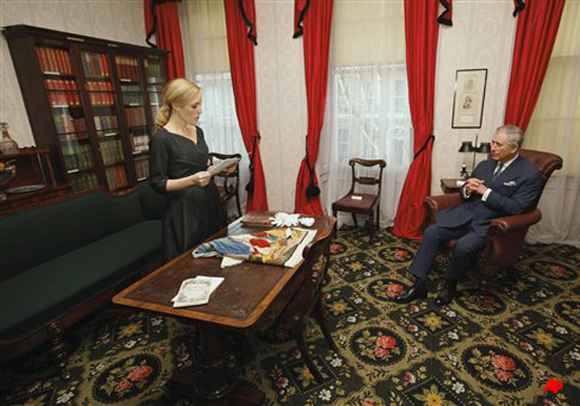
x=179 y=163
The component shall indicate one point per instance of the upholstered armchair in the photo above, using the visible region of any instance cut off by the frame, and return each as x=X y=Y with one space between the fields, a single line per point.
x=506 y=235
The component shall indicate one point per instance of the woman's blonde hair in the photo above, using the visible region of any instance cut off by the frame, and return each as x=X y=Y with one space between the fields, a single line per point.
x=178 y=92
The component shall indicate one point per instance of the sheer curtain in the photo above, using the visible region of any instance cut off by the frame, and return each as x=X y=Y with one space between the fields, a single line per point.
x=368 y=106
x=555 y=127
x=205 y=48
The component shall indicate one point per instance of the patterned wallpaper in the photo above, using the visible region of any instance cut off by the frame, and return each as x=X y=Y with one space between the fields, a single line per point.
x=118 y=20
x=281 y=94
x=481 y=37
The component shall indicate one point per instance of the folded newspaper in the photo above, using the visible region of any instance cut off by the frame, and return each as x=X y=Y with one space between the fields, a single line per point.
x=196 y=291
x=281 y=246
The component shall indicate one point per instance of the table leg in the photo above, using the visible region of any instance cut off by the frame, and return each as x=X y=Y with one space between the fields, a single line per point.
x=211 y=381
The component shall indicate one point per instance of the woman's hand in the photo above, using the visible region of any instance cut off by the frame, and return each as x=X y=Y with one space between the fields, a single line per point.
x=201 y=178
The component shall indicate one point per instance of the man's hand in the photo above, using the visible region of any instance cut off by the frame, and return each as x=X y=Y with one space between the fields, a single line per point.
x=474 y=185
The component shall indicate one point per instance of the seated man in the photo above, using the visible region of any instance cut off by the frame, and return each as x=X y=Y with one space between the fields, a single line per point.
x=505 y=185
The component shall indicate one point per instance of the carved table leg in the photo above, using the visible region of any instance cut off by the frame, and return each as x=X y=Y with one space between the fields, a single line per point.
x=211 y=383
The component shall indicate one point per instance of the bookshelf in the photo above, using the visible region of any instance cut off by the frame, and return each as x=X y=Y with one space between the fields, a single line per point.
x=90 y=102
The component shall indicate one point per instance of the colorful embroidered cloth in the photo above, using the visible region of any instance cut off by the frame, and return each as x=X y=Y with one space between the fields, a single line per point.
x=281 y=246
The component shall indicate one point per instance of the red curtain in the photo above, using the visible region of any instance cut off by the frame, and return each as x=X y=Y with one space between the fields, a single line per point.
x=162 y=19
x=316 y=17
x=535 y=36
x=421 y=33
x=240 y=22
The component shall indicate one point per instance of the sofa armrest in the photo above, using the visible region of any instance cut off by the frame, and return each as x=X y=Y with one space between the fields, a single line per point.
x=505 y=225
x=433 y=204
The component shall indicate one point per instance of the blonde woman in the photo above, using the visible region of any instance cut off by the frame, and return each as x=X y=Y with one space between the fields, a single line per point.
x=179 y=163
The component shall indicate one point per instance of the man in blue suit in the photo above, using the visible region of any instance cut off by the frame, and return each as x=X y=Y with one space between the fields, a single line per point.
x=504 y=185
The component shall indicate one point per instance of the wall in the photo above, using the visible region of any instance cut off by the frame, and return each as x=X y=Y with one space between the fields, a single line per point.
x=281 y=95
x=481 y=37
x=116 y=20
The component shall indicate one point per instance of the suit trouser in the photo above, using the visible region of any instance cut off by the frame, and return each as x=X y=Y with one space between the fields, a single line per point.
x=465 y=251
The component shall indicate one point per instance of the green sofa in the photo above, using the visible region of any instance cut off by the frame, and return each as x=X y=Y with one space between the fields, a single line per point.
x=61 y=261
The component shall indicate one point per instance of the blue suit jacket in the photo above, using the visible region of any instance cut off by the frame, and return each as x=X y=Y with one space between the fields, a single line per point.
x=514 y=191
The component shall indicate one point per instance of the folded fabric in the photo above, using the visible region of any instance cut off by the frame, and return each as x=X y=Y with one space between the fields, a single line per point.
x=281 y=246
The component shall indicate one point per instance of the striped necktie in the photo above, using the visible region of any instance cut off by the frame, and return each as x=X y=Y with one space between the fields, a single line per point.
x=498 y=171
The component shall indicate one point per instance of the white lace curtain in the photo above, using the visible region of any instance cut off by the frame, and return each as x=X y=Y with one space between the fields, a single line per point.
x=203 y=30
x=368 y=106
x=555 y=127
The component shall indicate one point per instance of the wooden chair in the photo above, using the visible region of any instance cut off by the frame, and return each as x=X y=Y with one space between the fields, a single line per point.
x=308 y=300
x=506 y=235
x=229 y=183
x=364 y=203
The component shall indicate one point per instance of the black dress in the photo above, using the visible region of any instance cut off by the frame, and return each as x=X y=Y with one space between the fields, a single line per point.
x=193 y=213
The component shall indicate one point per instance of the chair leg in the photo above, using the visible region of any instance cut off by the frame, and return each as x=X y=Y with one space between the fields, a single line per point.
x=299 y=335
x=238 y=204
x=354 y=219
x=320 y=316
x=378 y=216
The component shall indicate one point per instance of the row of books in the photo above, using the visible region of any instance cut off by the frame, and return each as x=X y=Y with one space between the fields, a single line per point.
x=95 y=64
x=116 y=177
x=154 y=71
x=111 y=151
x=102 y=99
x=142 y=169
x=77 y=156
x=135 y=116
x=60 y=99
x=139 y=143
x=95 y=85
x=106 y=122
x=53 y=60
x=133 y=98
x=65 y=123
x=155 y=98
x=58 y=84
x=128 y=68
x=130 y=88
x=83 y=181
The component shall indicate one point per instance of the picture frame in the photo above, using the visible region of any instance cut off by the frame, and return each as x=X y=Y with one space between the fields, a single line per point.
x=469 y=98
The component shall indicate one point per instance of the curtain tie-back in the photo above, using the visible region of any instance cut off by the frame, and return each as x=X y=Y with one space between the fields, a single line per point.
x=425 y=145
x=250 y=185
x=312 y=190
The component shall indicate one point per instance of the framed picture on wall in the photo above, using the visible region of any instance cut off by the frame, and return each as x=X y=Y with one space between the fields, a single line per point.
x=469 y=98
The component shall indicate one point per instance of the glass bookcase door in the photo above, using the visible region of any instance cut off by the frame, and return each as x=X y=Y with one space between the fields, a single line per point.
x=133 y=95
x=69 y=116
x=155 y=81
x=101 y=93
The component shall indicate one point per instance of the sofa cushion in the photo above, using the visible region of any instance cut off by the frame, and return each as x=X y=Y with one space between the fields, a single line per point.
x=34 y=237
x=35 y=297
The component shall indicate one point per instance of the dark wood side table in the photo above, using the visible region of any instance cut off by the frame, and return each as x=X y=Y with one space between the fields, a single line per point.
x=251 y=297
x=449 y=185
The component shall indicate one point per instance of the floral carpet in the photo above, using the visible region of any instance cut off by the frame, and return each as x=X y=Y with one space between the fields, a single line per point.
x=499 y=343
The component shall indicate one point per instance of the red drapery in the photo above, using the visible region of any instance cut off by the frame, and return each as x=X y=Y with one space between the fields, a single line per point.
x=535 y=36
x=241 y=28
x=316 y=17
x=421 y=33
x=162 y=19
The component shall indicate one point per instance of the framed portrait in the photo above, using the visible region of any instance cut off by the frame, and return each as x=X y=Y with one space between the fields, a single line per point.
x=469 y=98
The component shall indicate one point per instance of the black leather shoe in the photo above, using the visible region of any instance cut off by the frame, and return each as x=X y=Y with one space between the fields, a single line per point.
x=448 y=292
x=417 y=291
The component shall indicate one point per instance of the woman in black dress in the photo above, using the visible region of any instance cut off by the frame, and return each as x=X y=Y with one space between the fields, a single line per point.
x=179 y=163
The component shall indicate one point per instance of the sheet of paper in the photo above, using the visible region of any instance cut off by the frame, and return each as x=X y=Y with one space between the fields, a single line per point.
x=223 y=165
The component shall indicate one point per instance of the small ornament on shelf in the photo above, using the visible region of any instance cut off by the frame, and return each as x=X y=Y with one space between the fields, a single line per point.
x=7 y=145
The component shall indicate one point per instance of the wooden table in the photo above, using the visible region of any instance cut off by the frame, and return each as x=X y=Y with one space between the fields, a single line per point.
x=251 y=297
x=450 y=185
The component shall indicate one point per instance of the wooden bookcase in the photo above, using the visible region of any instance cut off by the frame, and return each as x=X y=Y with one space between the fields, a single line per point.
x=91 y=102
